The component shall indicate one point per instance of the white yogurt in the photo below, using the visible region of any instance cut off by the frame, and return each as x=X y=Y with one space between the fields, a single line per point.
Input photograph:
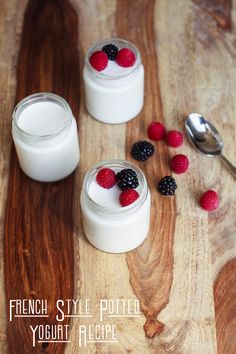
x=108 y=198
x=42 y=118
x=45 y=136
x=107 y=225
x=114 y=95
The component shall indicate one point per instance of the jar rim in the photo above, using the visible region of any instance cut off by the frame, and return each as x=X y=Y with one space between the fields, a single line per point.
x=91 y=173
x=117 y=41
x=37 y=98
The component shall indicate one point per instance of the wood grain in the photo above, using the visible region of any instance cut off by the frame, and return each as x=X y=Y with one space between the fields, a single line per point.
x=151 y=264
x=38 y=242
x=220 y=10
x=9 y=45
x=217 y=19
x=189 y=316
x=225 y=305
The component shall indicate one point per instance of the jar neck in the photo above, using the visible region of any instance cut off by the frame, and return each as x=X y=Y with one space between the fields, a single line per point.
x=113 y=79
x=116 y=165
x=43 y=97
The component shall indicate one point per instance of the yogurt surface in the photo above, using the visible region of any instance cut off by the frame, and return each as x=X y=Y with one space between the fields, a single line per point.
x=42 y=118
x=108 y=198
x=113 y=69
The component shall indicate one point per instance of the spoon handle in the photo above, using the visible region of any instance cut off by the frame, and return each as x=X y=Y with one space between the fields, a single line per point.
x=230 y=167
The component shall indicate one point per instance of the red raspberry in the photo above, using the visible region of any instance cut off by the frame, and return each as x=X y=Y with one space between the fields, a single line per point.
x=106 y=178
x=99 y=60
x=156 y=131
x=174 y=138
x=125 y=57
x=209 y=201
x=179 y=163
x=128 y=196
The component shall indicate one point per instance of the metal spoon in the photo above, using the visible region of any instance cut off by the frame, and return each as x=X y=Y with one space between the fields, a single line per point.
x=206 y=139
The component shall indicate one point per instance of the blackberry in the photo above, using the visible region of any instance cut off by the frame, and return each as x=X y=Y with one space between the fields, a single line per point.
x=127 y=179
x=111 y=51
x=167 y=186
x=142 y=150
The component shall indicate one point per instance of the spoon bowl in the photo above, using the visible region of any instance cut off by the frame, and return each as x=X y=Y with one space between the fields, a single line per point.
x=203 y=135
x=206 y=139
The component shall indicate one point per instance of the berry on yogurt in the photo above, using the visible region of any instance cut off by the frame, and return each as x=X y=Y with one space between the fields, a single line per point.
x=111 y=51
x=128 y=196
x=106 y=178
x=99 y=60
x=125 y=57
x=127 y=179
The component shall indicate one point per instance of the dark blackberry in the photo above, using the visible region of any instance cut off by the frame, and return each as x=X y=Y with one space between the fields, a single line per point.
x=142 y=150
x=127 y=179
x=111 y=51
x=167 y=186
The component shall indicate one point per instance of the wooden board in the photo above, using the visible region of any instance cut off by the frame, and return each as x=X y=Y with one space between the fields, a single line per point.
x=184 y=273
x=38 y=233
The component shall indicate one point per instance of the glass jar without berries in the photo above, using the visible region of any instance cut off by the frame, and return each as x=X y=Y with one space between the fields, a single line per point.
x=45 y=135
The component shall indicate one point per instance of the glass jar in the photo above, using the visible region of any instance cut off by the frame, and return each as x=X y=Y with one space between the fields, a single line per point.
x=115 y=229
x=45 y=135
x=114 y=95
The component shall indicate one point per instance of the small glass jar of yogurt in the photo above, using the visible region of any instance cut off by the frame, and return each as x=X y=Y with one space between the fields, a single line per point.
x=45 y=135
x=116 y=94
x=108 y=226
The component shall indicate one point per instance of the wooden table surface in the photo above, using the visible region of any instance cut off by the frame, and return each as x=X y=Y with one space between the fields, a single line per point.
x=184 y=274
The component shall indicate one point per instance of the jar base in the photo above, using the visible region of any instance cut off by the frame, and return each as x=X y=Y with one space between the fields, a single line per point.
x=50 y=181
x=118 y=251
x=105 y=121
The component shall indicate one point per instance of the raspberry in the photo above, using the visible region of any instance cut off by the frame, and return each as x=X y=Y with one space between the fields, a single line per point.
x=174 y=138
x=156 y=131
x=209 y=201
x=99 y=60
x=167 y=186
x=128 y=196
x=111 y=51
x=142 y=150
x=125 y=57
x=106 y=178
x=179 y=163
x=127 y=179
